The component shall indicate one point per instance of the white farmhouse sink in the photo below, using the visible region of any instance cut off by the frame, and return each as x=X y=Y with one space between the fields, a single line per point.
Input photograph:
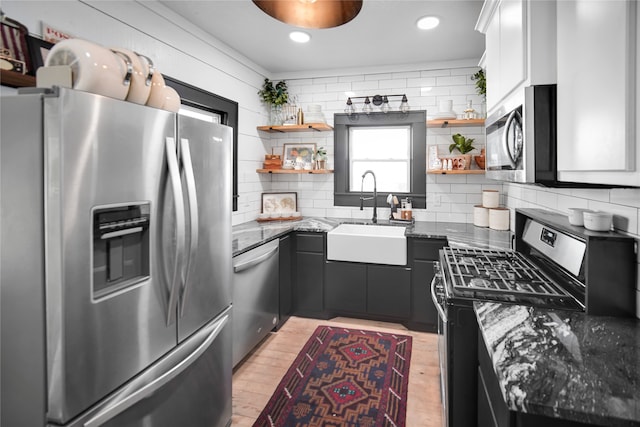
x=375 y=244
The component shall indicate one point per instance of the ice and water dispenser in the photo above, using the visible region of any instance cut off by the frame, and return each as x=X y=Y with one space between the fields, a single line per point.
x=120 y=247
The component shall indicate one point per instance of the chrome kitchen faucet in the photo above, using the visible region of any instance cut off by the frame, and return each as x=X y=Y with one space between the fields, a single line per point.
x=375 y=196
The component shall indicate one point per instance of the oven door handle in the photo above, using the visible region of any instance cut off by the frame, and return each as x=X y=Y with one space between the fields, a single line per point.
x=434 y=298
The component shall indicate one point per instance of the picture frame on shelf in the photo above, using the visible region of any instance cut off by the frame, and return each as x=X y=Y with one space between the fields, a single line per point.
x=38 y=51
x=300 y=154
x=13 y=46
x=279 y=202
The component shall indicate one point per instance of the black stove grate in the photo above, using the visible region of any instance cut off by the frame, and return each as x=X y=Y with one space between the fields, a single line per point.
x=485 y=272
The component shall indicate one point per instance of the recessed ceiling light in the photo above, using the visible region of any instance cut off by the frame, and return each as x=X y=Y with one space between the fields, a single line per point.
x=299 y=36
x=428 y=22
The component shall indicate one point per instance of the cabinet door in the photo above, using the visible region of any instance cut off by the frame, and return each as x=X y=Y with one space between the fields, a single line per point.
x=286 y=291
x=422 y=308
x=389 y=291
x=492 y=41
x=346 y=287
x=309 y=281
x=505 y=51
x=309 y=274
x=512 y=45
x=596 y=72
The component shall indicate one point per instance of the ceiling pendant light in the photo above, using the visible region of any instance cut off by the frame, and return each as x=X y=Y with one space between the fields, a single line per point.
x=311 y=13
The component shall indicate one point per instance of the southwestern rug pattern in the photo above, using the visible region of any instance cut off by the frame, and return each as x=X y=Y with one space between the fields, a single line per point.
x=343 y=377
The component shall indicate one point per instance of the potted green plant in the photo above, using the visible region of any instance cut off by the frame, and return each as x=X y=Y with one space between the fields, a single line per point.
x=321 y=158
x=481 y=82
x=463 y=145
x=275 y=96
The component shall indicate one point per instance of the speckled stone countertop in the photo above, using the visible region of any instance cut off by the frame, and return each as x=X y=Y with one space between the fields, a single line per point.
x=564 y=364
x=252 y=234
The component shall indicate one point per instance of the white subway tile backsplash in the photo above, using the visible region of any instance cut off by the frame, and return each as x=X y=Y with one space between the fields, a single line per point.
x=422 y=82
x=406 y=75
x=451 y=217
x=324 y=80
x=591 y=194
x=350 y=79
x=365 y=86
x=466 y=188
x=451 y=80
x=378 y=76
x=339 y=87
x=566 y=202
x=625 y=196
x=435 y=73
x=547 y=200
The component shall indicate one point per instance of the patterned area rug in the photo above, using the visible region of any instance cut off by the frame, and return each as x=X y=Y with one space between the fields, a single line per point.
x=343 y=377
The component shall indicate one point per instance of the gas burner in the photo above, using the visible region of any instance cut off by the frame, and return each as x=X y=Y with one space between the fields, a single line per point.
x=496 y=274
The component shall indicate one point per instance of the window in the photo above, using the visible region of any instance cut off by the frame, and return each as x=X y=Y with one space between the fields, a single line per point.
x=219 y=109
x=392 y=145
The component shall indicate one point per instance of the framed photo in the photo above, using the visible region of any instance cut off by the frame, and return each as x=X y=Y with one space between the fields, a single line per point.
x=279 y=202
x=298 y=154
x=38 y=51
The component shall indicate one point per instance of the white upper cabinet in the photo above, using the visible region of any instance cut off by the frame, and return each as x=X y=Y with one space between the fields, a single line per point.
x=597 y=90
x=520 y=46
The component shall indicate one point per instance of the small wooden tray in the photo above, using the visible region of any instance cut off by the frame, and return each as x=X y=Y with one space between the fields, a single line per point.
x=288 y=218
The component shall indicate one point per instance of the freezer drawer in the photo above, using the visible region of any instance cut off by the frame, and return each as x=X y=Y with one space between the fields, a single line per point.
x=255 y=297
x=191 y=386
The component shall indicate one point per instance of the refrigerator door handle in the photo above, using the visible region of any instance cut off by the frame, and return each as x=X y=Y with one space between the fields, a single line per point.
x=159 y=375
x=178 y=199
x=185 y=154
x=255 y=261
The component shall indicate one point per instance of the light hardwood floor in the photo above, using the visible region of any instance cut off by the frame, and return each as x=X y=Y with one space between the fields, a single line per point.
x=256 y=378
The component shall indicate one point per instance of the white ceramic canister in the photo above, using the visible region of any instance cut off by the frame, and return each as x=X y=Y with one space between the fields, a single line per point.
x=94 y=68
x=171 y=100
x=480 y=216
x=576 y=216
x=490 y=198
x=157 y=96
x=499 y=218
x=597 y=221
x=140 y=78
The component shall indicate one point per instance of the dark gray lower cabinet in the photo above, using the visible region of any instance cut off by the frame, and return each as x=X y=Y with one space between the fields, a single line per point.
x=286 y=290
x=346 y=287
x=389 y=291
x=424 y=252
x=309 y=275
x=369 y=289
x=423 y=311
x=323 y=288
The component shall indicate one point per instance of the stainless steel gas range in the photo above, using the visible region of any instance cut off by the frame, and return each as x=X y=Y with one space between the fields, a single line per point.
x=554 y=265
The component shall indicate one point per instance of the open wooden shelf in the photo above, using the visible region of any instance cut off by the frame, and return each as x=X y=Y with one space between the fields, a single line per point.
x=318 y=127
x=443 y=123
x=293 y=171
x=457 y=172
x=13 y=79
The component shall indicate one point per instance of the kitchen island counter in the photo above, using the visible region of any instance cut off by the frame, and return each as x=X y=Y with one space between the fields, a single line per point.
x=564 y=364
x=252 y=234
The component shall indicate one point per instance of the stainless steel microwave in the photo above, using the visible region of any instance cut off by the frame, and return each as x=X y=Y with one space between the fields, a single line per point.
x=521 y=138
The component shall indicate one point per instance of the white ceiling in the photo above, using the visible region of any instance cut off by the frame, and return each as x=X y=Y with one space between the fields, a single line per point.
x=383 y=35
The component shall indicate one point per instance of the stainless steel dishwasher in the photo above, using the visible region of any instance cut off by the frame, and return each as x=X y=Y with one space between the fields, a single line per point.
x=255 y=297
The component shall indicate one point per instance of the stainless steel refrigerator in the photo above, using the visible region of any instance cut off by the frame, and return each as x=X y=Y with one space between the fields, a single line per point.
x=115 y=266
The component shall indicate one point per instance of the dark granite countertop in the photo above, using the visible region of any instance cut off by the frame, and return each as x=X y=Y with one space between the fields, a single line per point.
x=564 y=364
x=252 y=234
